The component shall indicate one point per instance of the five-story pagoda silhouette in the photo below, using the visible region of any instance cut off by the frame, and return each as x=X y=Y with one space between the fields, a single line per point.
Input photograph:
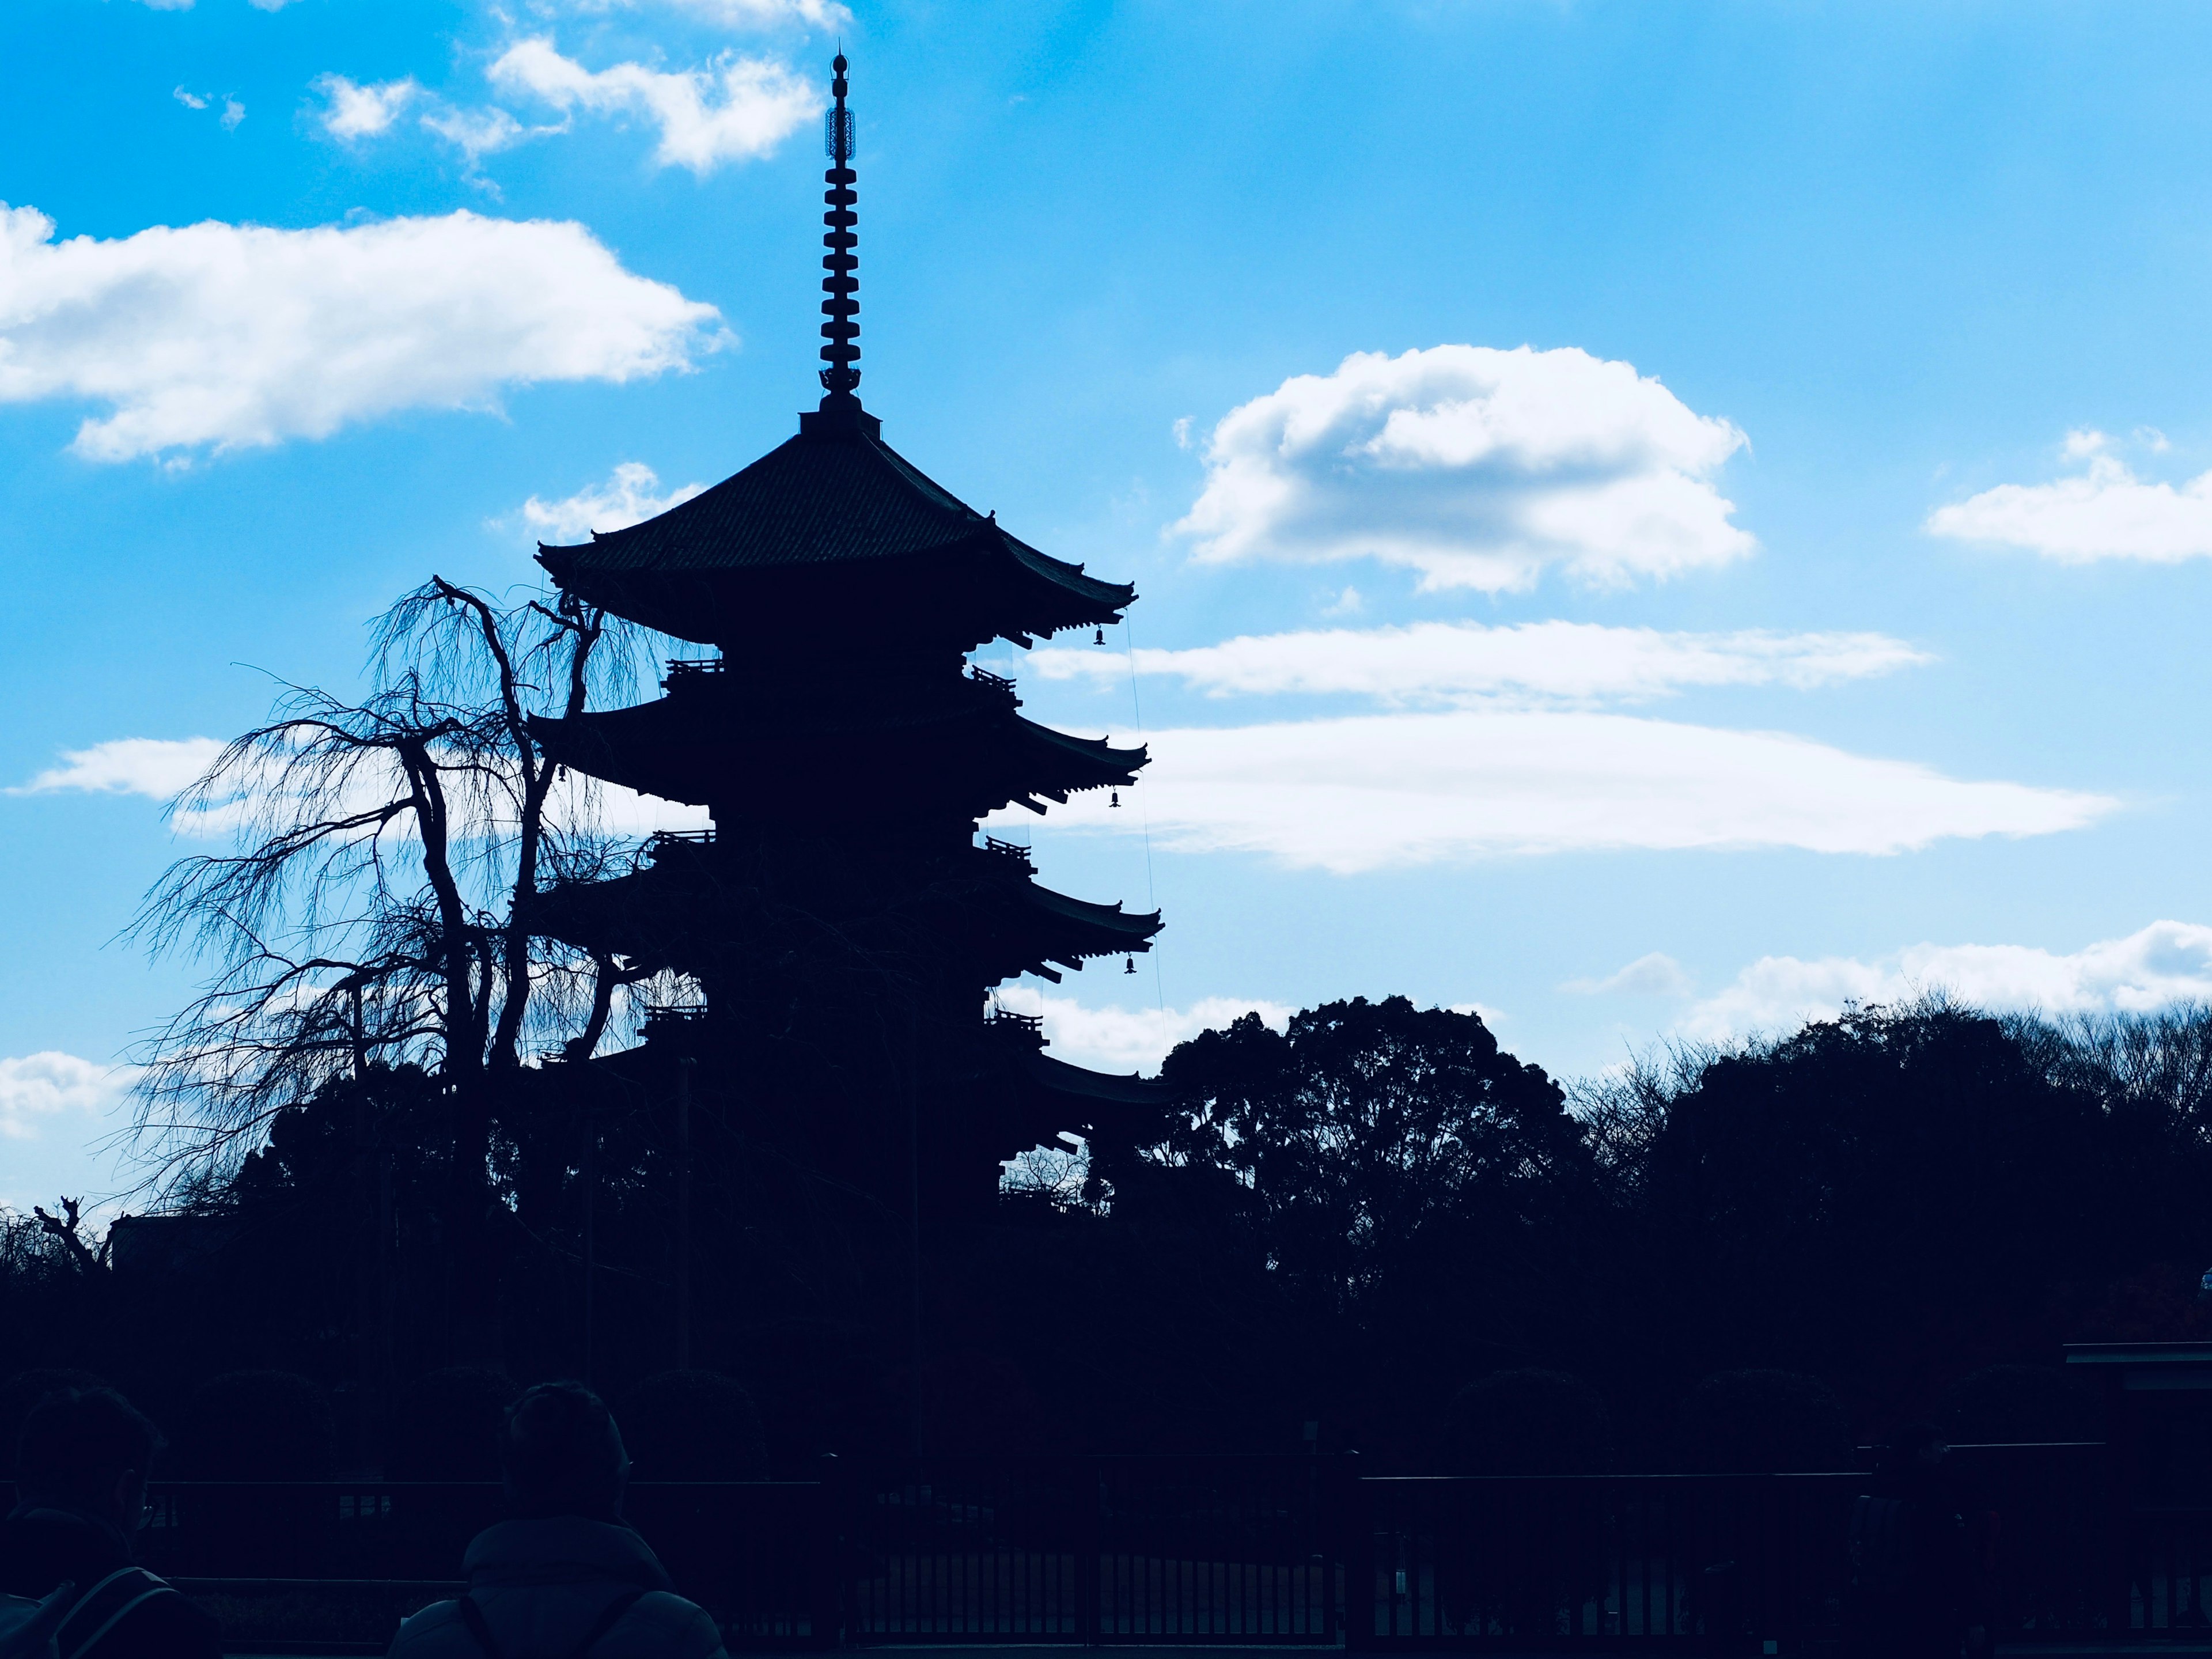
x=842 y=920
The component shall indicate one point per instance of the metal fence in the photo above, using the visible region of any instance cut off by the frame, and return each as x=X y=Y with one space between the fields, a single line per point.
x=1239 y=1551
x=1125 y=1550
x=1467 y=1563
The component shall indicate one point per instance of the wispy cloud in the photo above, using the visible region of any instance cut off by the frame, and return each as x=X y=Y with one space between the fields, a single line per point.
x=736 y=108
x=1653 y=975
x=1373 y=791
x=352 y=112
x=238 y=336
x=159 y=768
x=1578 y=663
x=1477 y=467
x=1114 y=1039
x=2165 y=964
x=626 y=498
x=233 y=111
x=2104 y=512
x=50 y=1088
x=729 y=14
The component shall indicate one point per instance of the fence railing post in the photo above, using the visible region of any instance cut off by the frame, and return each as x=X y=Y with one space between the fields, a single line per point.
x=826 y=1573
x=1090 y=1539
x=1358 y=1549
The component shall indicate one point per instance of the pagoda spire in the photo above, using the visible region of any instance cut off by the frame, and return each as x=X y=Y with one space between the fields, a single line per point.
x=840 y=332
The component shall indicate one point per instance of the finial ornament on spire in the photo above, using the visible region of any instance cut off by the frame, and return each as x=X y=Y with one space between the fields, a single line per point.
x=840 y=332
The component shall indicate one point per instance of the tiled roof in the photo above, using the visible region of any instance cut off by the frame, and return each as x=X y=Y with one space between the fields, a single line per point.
x=836 y=494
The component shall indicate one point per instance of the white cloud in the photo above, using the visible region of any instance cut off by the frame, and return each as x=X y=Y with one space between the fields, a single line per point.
x=730 y=14
x=1132 y=1039
x=352 y=112
x=625 y=499
x=736 y=109
x=237 y=336
x=189 y=99
x=1552 y=662
x=233 y=113
x=2165 y=964
x=35 y=1089
x=1477 y=467
x=2104 y=513
x=160 y=767
x=1653 y=975
x=1373 y=791
x=477 y=133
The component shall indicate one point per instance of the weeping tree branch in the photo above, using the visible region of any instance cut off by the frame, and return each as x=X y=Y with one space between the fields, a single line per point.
x=376 y=903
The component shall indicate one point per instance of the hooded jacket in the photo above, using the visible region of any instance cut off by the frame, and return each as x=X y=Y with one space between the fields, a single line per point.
x=543 y=1586
x=41 y=1547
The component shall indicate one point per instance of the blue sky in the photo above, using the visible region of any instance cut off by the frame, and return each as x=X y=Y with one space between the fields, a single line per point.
x=1811 y=610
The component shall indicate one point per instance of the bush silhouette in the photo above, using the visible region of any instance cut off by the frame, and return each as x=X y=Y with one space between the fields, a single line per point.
x=1764 y=1422
x=255 y=1425
x=692 y=1425
x=2013 y=1403
x=1528 y=1422
x=448 y=1425
x=24 y=1390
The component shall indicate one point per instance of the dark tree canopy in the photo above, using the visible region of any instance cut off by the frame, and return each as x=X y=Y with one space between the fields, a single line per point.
x=1365 y=1128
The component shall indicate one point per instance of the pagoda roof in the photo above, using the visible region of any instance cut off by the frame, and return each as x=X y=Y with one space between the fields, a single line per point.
x=669 y=910
x=970 y=744
x=1057 y=1077
x=833 y=498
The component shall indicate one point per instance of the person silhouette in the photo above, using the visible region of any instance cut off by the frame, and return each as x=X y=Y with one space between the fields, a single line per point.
x=565 y=1578
x=81 y=1468
x=1911 y=1591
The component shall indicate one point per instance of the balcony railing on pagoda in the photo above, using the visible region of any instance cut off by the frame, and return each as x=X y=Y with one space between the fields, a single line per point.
x=1005 y=1019
x=1011 y=852
x=664 y=842
x=685 y=668
x=678 y=1021
x=998 y=683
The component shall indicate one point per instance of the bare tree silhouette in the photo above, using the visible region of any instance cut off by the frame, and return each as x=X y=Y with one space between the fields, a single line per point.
x=375 y=905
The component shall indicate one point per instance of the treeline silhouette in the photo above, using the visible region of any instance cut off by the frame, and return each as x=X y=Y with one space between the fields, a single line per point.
x=1376 y=1229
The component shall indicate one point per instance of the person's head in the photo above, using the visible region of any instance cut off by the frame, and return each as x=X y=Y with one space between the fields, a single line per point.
x=562 y=1455
x=87 y=1450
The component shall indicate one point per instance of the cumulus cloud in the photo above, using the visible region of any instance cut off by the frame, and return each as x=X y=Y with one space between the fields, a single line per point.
x=737 y=108
x=1653 y=975
x=45 y=1088
x=352 y=112
x=237 y=336
x=2105 y=512
x=2165 y=964
x=1477 y=467
x=625 y=499
x=161 y=767
x=1373 y=791
x=1133 y=1039
x=1552 y=662
x=189 y=99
